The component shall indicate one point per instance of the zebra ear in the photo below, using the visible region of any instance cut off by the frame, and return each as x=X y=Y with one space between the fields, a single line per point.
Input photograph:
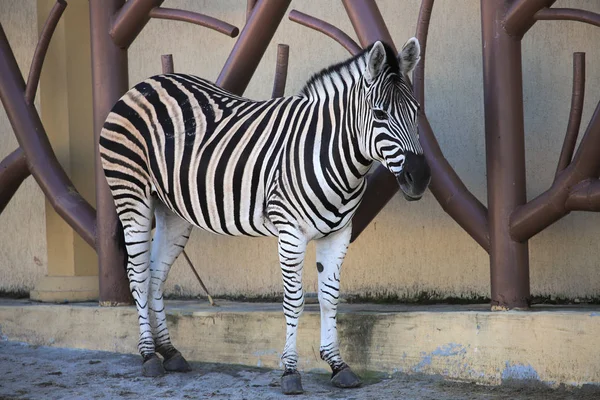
x=375 y=61
x=409 y=56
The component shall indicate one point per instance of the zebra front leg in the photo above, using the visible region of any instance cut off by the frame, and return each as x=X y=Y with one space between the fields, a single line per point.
x=170 y=238
x=330 y=252
x=292 y=247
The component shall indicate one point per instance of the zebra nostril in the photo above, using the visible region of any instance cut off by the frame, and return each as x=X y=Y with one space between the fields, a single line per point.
x=409 y=177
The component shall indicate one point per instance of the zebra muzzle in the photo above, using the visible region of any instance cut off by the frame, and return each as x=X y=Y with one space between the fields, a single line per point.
x=415 y=176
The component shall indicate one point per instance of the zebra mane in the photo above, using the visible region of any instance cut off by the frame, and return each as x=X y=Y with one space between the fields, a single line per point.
x=391 y=58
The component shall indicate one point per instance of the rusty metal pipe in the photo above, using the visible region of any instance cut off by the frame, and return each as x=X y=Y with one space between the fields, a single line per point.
x=109 y=83
x=13 y=171
x=129 y=21
x=520 y=16
x=585 y=196
x=505 y=156
x=568 y=14
x=367 y=22
x=329 y=30
x=577 y=97
x=166 y=61
x=42 y=161
x=40 y=50
x=422 y=32
x=195 y=18
x=251 y=45
x=281 y=70
x=547 y=208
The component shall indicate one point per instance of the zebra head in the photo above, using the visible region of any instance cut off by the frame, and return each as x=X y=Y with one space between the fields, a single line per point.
x=390 y=117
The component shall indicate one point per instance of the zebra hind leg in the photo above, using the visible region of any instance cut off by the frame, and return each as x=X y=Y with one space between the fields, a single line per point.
x=292 y=247
x=330 y=252
x=135 y=213
x=170 y=237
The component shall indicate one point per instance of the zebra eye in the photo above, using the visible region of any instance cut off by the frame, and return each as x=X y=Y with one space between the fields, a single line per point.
x=380 y=114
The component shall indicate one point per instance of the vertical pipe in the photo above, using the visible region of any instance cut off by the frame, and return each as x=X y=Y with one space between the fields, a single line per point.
x=281 y=70
x=505 y=155
x=167 y=63
x=110 y=82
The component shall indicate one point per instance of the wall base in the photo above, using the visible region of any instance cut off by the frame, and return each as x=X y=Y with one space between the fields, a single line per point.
x=552 y=345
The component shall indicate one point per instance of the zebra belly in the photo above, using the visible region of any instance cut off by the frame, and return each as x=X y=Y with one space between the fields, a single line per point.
x=216 y=203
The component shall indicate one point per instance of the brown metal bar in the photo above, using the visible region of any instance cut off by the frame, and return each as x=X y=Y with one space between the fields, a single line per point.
x=13 y=171
x=505 y=156
x=281 y=70
x=251 y=45
x=422 y=32
x=321 y=26
x=110 y=82
x=539 y=213
x=584 y=196
x=577 y=97
x=167 y=63
x=42 y=161
x=195 y=18
x=568 y=14
x=520 y=16
x=130 y=20
x=42 y=47
x=367 y=22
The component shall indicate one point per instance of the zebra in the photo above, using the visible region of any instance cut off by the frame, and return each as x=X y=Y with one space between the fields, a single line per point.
x=181 y=150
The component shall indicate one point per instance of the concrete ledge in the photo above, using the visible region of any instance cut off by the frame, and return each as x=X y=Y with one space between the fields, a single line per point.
x=61 y=289
x=553 y=345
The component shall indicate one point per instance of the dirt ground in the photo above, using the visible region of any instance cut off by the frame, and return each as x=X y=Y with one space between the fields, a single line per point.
x=35 y=372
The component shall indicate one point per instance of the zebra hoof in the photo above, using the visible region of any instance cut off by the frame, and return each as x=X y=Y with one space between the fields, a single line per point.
x=345 y=379
x=291 y=383
x=176 y=363
x=152 y=367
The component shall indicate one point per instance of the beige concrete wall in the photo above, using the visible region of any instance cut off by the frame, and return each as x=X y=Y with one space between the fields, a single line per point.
x=23 y=256
x=409 y=248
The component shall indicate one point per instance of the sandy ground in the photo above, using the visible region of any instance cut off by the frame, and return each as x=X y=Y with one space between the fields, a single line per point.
x=35 y=372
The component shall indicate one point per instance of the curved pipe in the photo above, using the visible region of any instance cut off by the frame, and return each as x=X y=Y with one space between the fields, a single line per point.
x=195 y=18
x=422 y=31
x=567 y=14
x=547 y=208
x=41 y=49
x=577 y=97
x=585 y=196
x=326 y=28
x=42 y=161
